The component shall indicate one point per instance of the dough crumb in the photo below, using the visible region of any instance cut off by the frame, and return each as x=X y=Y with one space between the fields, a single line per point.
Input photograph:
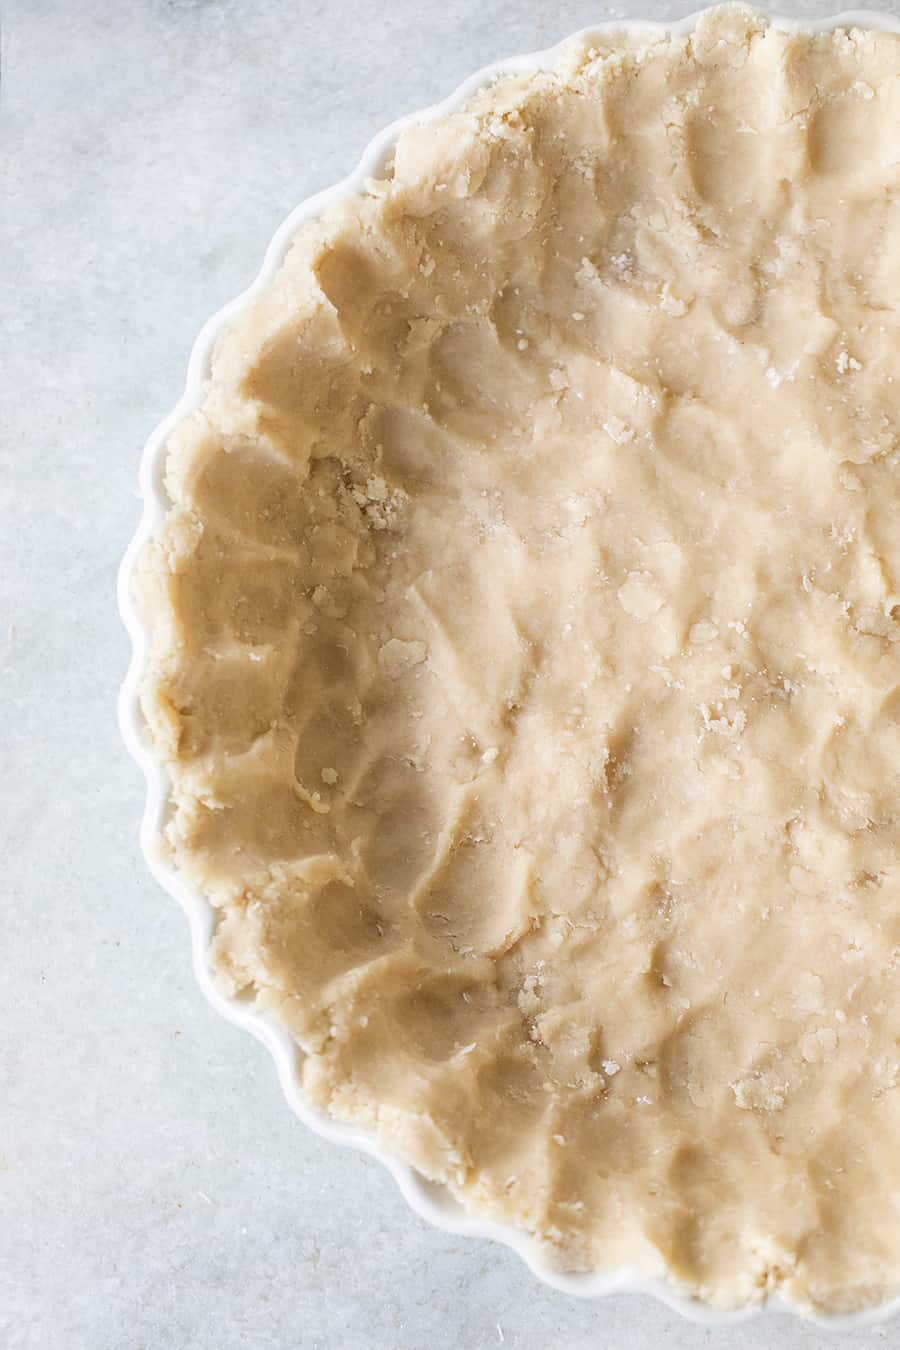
x=398 y=657
x=640 y=596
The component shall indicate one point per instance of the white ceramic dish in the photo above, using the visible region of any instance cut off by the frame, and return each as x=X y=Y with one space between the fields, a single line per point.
x=432 y=1202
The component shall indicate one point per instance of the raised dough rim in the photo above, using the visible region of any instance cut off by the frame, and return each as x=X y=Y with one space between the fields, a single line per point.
x=432 y=1202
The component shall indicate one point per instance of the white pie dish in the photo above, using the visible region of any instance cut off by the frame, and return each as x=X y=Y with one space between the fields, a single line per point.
x=430 y=1201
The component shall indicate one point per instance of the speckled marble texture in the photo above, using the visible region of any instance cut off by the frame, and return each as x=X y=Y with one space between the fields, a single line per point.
x=155 y=1192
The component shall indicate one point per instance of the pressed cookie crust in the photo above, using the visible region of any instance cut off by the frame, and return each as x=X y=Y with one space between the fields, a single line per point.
x=524 y=656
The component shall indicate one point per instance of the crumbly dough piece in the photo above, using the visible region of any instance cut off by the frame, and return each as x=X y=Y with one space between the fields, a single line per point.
x=525 y=657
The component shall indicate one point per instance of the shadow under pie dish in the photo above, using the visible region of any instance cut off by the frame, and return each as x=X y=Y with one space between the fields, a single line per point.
x=519 y=612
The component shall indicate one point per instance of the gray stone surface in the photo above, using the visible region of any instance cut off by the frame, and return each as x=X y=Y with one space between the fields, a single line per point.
x=155 y=1192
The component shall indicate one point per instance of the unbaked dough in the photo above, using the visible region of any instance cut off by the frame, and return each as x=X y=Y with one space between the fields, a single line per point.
x=524 y=655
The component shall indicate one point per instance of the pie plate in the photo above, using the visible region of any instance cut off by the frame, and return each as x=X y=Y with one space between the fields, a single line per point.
x=432 y=1202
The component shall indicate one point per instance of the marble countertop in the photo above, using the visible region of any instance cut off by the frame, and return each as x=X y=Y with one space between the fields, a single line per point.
x=155 y=1191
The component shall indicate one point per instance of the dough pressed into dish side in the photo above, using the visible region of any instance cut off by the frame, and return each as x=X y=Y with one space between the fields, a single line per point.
x=525 y=657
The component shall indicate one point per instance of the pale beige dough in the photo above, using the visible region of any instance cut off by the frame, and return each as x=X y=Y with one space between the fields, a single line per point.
x=525 y=657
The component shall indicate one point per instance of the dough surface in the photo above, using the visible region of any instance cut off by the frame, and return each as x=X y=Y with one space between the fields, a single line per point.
x=525 y=657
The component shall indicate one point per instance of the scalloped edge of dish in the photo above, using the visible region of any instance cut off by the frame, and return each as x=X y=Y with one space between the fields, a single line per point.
x=430 y=1201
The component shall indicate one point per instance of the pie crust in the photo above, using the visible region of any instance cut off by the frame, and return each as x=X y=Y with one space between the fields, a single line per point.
x=524 y=657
